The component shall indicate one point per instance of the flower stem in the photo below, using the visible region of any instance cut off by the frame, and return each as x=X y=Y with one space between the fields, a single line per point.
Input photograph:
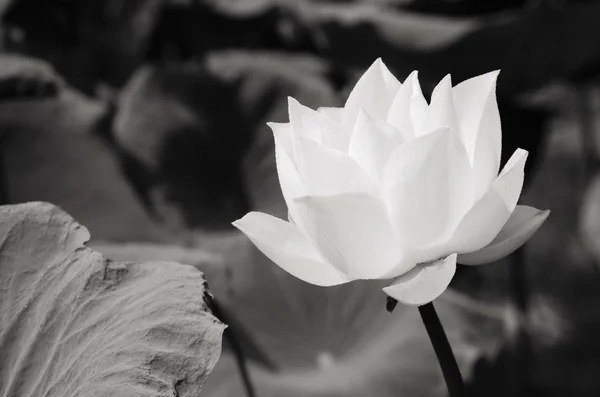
x=443 y=351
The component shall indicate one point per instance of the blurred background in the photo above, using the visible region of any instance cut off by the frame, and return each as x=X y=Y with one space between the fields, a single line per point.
x=145 y=120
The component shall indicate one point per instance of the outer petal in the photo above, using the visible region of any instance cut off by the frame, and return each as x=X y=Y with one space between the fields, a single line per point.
x=325 y=171
x=519 y=228
x=480 y=129
x=480 y=225
x=283 y=136
x=483 y=222
x=510 y=181
x=282 y=243
x=353 y=232
x=373 y=92
x=409 y=107
x=441 y=111
x=426 y=186
x=423 y=283
x=298 y=113
x=289 y=179
x=371 y=146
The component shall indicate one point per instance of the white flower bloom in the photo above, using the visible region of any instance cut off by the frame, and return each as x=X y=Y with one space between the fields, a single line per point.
x=392 y=187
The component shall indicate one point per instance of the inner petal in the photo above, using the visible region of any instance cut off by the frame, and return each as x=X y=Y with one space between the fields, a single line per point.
x=325 y=171
x=371 y=146
x=441 y=111
x=353 y=232
x=426 y=186
x=316 y=126
x=374 y=92
x=408 y=108
x=480 y=128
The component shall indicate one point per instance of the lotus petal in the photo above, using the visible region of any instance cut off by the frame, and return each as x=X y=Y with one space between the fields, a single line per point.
x=326 y=171
x=426 y=186
x=283 y=243
x=510 y=181
x=423 y=283
x=483 y=222
x=289 y=179
x=408 y=108
x=480 y=129
x=441 y=111
x=519 y=228
x=371 y=146
x=374 y=92
x=353 y=232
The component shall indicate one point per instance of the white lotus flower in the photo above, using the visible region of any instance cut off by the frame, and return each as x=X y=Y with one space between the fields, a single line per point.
x=392 y=187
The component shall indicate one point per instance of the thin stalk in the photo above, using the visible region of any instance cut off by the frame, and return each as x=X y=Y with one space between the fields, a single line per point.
x=441 y=346
x=443 y=351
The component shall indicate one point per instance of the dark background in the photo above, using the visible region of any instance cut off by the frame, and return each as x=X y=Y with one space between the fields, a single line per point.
x=145 y=120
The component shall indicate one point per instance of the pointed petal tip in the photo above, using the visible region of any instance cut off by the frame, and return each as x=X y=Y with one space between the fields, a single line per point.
x=530 y=214
x=293 y=103
x=518 y=158
x=493 y=75
x=376 y=65
x=239 y=222
x=491 y=78
x=413 y=76
x=244 y=219
x=541 y=216
x=547 y=213
x=484 y=83
x=544 y=214
x=522 y=225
